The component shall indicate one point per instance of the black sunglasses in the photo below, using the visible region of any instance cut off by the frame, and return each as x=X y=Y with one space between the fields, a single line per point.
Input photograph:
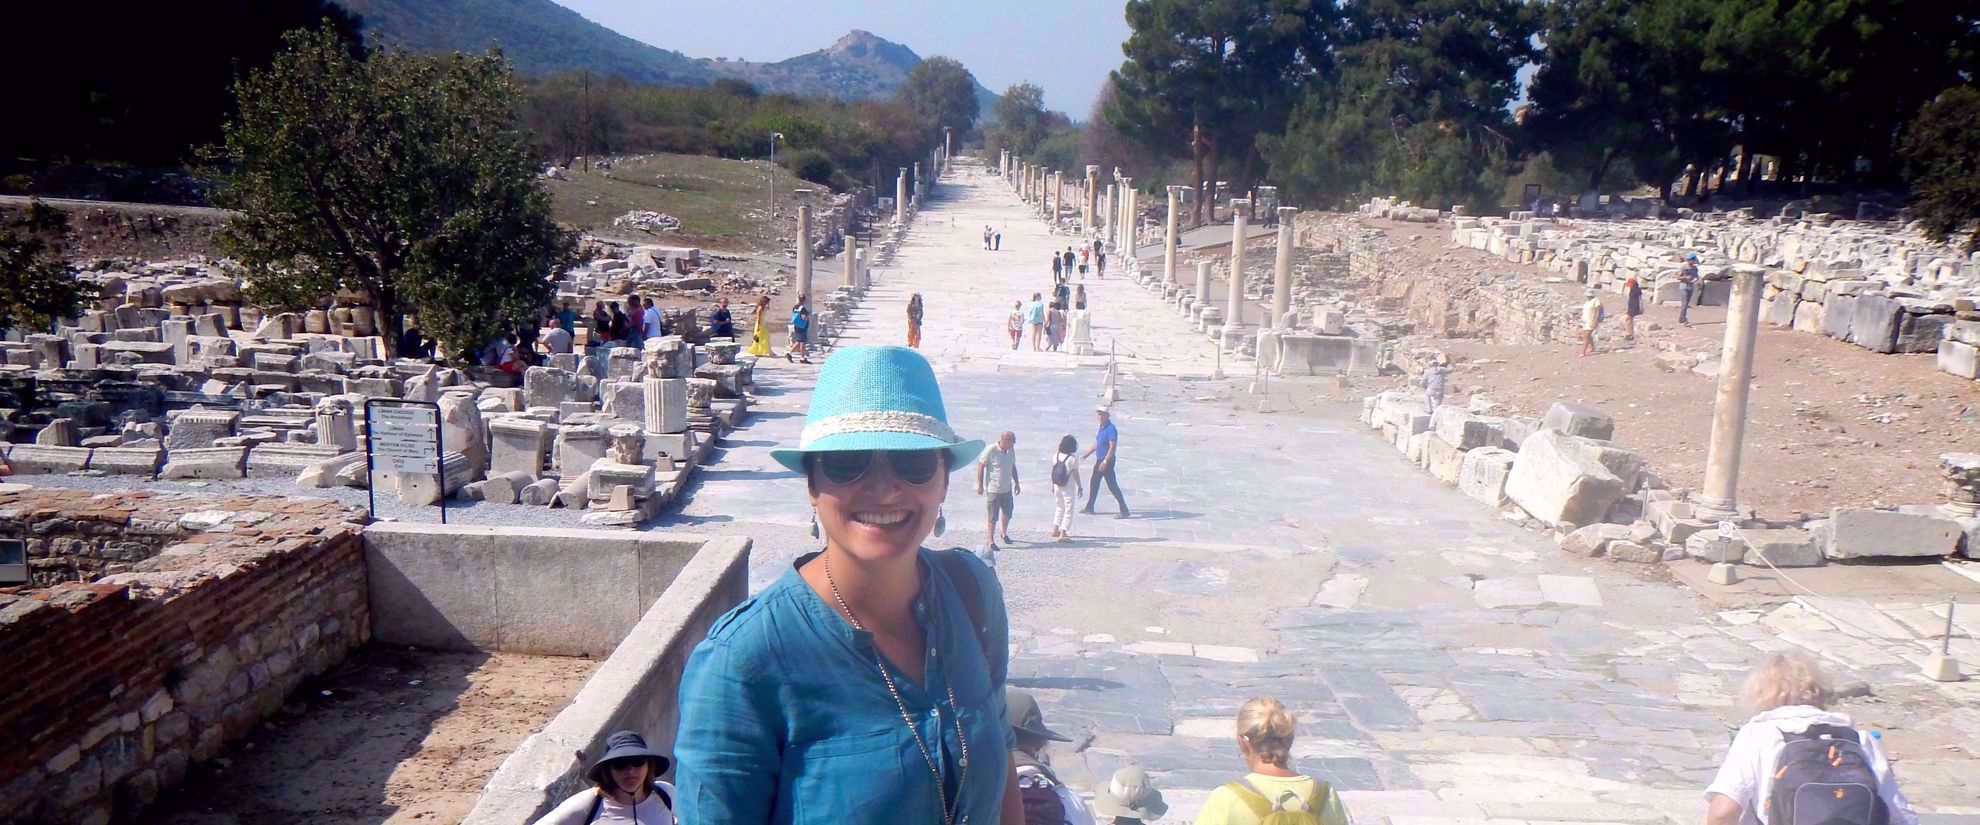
x=912 y=467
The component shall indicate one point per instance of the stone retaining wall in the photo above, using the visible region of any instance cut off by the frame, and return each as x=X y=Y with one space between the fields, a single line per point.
x=115 y=687
x=1450 y=304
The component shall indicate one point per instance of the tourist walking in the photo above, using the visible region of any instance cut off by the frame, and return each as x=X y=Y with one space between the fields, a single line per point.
x=721 y=323
x=1068 y=258
x=567 y=318
x=1106 y=445
x=601 y=327
x=1058 y=266
x=792 y=709
x=1100 y=262
x=1270 y=788
x=1793 y=744
x=1129 y=798
x=1015 y=323
x=1055 y=326
x=759 y=333
x=997 y=242
x=997 y=482
x=635 y=323
x=1687 y=286
x=1632 y=306
x=1434 y=378
x=1079 y=297
x=1591 y=317
x=914 y=320
x=621 y=328
x=625 y=787
x=800 y=332
x=1066 y=487
x=654 y=327
x=1034 y=315
x=1046 y=798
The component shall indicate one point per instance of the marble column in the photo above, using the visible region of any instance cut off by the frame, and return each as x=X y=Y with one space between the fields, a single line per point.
x=1234 y=314
x=1169 y=239
x=849 y=258
x=804 y=243
x=1090 y=200
x=1058 y=195
x=1719 y=499
x=900 y=197
x=1282 y=270
x=666 y=405
x=1110 y=218
x=1203 y=282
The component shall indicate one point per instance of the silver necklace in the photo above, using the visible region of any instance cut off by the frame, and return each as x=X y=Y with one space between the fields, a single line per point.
x=941 y=791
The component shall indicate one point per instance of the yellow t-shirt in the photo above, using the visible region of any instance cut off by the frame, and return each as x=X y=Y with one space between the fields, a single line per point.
x=1225 y=808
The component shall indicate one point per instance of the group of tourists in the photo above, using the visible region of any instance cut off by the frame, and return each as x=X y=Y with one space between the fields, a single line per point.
x=1065 y=264
x=992 y=239
x=997 y=481
x=1593 y=313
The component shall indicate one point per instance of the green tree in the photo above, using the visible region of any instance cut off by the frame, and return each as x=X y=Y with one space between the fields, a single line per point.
x=36 y=288
x=1204 y=78
x=1022 y=121
x=943 y=93
x=1941 y=152
x=399 y=177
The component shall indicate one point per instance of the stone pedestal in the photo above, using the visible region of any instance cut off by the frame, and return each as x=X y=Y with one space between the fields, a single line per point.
x=1081 y=333
x=519 y=445
x=1718 y=499
x=578 y=447
x=198 y=427
x=335 y=425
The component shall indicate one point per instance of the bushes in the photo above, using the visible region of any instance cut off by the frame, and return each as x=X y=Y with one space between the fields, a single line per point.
x=812 y=165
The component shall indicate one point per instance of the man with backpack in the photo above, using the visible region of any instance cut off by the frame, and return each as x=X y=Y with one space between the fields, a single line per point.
x=1797 y=763
x=1047 y=800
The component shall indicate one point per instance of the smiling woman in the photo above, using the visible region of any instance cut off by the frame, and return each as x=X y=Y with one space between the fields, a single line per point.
x=873 y=670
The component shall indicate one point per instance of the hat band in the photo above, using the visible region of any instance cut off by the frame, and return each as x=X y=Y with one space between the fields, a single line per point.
x=878 y=421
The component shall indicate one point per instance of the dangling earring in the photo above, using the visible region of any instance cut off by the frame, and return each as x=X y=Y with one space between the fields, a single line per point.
x=941 y=523
x=814 y=522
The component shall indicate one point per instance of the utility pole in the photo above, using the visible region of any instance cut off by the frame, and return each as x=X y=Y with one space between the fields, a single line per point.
x=584 y=121
x=772 y=189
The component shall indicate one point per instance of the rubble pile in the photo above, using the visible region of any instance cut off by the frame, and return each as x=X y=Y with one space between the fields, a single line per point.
x=647 y=220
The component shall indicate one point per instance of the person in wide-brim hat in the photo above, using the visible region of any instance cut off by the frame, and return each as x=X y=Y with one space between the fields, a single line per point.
x=625 y=787
x=871 y=648
x=1129 y=795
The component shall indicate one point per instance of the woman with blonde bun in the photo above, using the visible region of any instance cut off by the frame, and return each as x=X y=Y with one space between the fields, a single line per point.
x=1271 y=791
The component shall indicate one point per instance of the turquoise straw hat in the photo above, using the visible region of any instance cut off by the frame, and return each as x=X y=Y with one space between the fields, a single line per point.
x=877 y=398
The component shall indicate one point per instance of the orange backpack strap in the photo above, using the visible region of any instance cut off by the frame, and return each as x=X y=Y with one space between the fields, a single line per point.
x=1252 y=799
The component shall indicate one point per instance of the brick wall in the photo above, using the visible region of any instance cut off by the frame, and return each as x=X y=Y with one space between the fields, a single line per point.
x=116 y=686
x=83 y=540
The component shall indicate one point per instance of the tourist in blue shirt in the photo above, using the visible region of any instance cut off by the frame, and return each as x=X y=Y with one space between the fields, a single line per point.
x=867 y=684
x=800 y=332
x=1106 y=445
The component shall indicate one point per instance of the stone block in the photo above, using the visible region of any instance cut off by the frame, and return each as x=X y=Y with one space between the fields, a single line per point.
x=1482 y=475
x=605 y=476
x=423 y=489
x=1464 y=430
x=1838 y=313
x=1557 y=480
x=29 y=459
x=1875 y=322
x=519 y=445
x=1517 y=428
x=1857 y=533
x=1921 y=333
x=205 y=462
x=1413 y=447
x=579 y=446
x=1443 y=459
x=135 y=461
x=1594 y=539
x=1633 y=552
x=1780 y=311
x=1959 y=359
x=1579 y=420
x=623 y=399
x=1714 y=547
x=1785 y=547
x=1808 y=316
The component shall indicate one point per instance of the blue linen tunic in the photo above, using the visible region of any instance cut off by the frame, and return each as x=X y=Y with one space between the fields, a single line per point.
x=785 y=719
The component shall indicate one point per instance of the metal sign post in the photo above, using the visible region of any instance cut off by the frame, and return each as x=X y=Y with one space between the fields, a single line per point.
x=403 y=437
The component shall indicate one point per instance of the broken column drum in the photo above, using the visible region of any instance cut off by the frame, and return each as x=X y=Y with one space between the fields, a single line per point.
x=849 y=258
x=1234 y=313
x=1962 y=472
x=666 y=405
x=1282 y=270
x=1720 y=497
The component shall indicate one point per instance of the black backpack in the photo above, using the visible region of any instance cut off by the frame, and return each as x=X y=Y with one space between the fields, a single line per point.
x=598 y=802
x=1823 y=777
x=1060 y=473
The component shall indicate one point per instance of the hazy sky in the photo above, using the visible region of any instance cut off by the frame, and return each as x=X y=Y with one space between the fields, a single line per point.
x=1065 y=46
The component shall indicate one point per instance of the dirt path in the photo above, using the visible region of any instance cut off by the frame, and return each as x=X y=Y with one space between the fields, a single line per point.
x=394 y=735
x=1830 y=424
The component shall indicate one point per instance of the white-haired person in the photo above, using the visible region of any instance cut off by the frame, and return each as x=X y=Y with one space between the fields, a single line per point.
x=1795 y=761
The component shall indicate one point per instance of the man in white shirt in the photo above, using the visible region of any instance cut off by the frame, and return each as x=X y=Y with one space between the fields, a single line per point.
x=1591 y=317
x=557 y=340
x=997 y=480
x=651 y=324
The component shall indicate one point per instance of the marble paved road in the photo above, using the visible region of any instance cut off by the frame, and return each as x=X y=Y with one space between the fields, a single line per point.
x=1446 y=666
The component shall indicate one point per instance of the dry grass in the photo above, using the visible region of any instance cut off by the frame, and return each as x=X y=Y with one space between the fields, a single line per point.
x=722 y=204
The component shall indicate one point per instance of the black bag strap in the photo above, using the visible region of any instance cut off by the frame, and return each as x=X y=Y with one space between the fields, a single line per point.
x=969 y=588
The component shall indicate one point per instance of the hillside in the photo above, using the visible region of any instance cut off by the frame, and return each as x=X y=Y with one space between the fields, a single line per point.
x=541 y=38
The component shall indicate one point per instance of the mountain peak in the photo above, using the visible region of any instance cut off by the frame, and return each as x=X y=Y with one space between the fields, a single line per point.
x=860 y=45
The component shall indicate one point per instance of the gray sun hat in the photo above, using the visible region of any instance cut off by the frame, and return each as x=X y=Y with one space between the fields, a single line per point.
x=1130 y=795
x=1021 y=710
x=623 y=745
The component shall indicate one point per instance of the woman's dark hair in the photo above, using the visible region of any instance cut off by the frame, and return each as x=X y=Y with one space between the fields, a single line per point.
x=1068 y=444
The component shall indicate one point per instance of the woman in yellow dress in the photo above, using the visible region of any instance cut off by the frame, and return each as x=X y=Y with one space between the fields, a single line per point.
x=759 y=338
